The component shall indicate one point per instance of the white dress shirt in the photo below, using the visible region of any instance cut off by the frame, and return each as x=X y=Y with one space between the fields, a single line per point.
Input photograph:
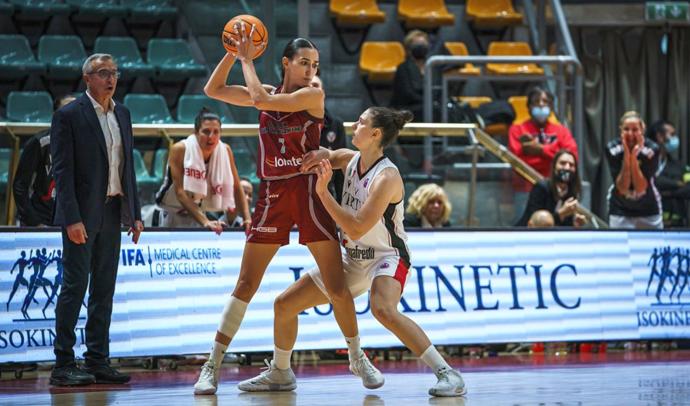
x=113 y=144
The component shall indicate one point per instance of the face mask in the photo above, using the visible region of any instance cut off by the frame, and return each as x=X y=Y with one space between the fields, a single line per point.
x=672 y=144
x=419 y=50
x=563 y=175
x=541 y=113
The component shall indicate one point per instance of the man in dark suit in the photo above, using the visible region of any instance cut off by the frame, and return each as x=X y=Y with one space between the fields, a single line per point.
x=91 y=145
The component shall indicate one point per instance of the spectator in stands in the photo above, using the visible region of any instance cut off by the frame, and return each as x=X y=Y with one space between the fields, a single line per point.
x=428 y=207
x=541 y=219
x=671 y=175
x=408 y=83
x=91 y=145
x=557 y=194
x=202 y=177
x=536 y=141
x=634 y=201
x=33 y=182
x=332 y=137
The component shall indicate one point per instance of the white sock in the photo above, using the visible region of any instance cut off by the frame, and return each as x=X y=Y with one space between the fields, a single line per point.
x=434 y=360
x=281 y=358
x=230 y=321
x=354 y=351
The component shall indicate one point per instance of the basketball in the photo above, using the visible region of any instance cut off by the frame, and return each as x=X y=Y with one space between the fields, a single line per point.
x=260 y=33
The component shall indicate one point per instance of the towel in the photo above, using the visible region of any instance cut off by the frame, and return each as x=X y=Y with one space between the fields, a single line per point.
x=212 y=186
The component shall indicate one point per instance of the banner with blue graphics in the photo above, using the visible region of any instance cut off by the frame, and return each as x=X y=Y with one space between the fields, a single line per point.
x=463 y=287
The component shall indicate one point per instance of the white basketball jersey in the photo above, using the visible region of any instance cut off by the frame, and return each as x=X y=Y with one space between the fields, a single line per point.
x=388 y=236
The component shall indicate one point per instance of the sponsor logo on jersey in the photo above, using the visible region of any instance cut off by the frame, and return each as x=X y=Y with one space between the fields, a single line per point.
x=278 y=162
x=359 y=253
x=265 y=229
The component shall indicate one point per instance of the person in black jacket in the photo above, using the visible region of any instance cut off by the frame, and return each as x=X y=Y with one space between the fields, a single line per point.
x=557 y=194
x=33 y=184
x=670 y=174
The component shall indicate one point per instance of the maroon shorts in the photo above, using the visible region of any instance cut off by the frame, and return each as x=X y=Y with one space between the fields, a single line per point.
x=288 y=202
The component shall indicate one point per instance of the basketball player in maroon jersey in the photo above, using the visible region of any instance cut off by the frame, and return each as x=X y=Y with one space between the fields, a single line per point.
x=290 y=121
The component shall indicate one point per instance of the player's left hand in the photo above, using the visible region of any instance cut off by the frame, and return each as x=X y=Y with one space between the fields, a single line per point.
x=311 y=160
x=324 y=172
x=244 y=45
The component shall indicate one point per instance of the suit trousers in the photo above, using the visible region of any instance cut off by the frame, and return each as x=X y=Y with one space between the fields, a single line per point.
x=93 y=264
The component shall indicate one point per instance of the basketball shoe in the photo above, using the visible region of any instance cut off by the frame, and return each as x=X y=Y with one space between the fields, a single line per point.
x=450 y=383
x=270 y=380
x=371 y=377
x=208 y=379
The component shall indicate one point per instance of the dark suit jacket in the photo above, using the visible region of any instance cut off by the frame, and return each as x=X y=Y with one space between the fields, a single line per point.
x=80 y=165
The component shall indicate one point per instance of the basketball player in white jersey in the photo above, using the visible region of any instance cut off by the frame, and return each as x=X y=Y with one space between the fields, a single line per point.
x=375 y=254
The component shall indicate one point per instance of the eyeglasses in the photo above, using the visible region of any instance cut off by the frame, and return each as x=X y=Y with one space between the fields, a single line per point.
x=105 y=74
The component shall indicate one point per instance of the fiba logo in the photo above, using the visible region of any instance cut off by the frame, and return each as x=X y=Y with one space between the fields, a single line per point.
x=32 y=279
x=668 y=274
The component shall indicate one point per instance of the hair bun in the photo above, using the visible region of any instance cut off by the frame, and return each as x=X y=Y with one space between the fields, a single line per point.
x=403 y=117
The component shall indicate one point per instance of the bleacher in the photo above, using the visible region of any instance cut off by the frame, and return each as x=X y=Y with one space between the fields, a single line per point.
x=166 y=49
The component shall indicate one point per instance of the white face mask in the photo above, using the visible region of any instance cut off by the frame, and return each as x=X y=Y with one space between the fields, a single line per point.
x=541 y=114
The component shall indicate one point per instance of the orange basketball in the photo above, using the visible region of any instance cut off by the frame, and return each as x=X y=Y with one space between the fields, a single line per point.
x=260 y=33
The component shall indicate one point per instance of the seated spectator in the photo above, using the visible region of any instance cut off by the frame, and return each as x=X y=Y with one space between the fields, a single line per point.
x=202 y=177
x=557 y=194
x=536 y=141
x=33 y=186
x=671 y=174
x=428 y=207
x=541 y=219
x=634 y=201
x=332 y=137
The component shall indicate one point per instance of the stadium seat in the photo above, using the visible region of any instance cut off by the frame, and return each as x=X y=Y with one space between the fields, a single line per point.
x=64 y=56
x=424 y=13
x=99 y=8
x=245 y=163
x=285 y=14
x=16 y=59
x=143 y=175
x=29 y=107
x=492 y=14
x=498 y=48
x=473 y=101
x=5 y=157
x=6 y=8
x=209 y=16
x=148 y=109
x=126 y=54
x=150 y=9
x=173 y=59
x=244 y=115
x=160 y=160
x=189 y=106
x=459 y=49
x=356 y=12
x=379 y=60
x=40 y=9
x=519 y=104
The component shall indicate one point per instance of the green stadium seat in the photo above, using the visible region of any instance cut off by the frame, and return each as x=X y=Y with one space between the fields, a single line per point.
x=99 y=8
x=244 y=115
x=40 y=9
x=63 y=54
x=148 y=109
x=30 y=107
x=246 y=165
x=189 y=106
x=143 y=175
x=286 y=18
x=209 y=16
x=126 y=54
x=6 y=8
x=5 y=156
x=173 y=59
x=160 y=160
x=150 y=9
x=16 y=59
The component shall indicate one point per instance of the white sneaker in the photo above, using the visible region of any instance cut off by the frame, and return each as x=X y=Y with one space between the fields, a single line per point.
x=207 y=384
x=270 y=380
x=450 y=383
x=371 y=377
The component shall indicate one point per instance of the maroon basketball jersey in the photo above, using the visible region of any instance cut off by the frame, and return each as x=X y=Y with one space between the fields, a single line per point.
x=283 y=139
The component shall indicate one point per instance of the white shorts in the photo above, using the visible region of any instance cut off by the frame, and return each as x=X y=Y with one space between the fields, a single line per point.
x=360 y=275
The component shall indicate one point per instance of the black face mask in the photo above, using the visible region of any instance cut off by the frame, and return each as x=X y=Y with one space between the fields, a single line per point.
x=419 y=51
x=563 y=175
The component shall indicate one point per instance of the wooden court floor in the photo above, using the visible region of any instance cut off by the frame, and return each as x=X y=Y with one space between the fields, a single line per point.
x=575 y=379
